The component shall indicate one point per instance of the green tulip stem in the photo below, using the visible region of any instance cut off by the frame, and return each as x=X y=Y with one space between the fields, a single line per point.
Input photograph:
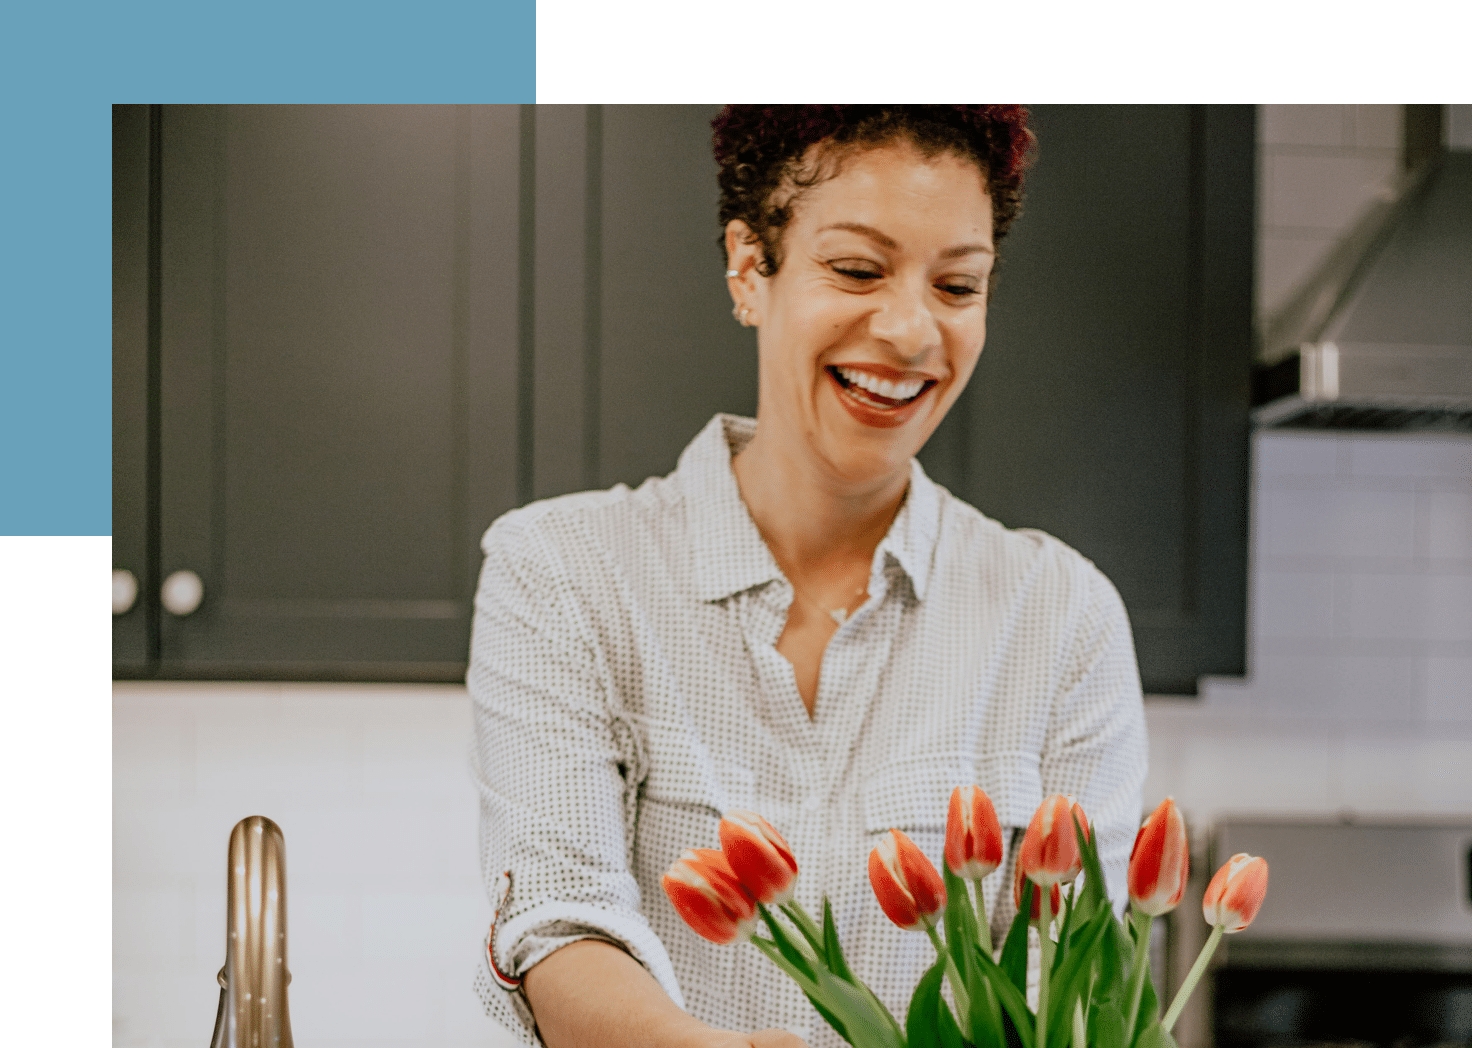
x=983 y=926
x=958 y=988
x=1192 y=978
x=1141 y=964
x=1045 y=921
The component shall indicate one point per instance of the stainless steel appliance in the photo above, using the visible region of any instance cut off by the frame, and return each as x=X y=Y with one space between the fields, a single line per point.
x=1365 y=937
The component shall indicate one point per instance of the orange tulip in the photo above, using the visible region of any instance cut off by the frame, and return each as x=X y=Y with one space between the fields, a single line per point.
x=708 y=896
x=1055 y=897
x=1160 y=861
x=1049 y=852
x=973 y=834
x=909 y=889
x=1236 y=893
x=760 y=858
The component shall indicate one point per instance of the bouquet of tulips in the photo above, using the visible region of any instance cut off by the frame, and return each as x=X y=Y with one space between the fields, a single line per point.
x=1093 y=988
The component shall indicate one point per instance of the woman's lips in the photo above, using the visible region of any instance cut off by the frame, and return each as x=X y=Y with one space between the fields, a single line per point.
x=871 y=409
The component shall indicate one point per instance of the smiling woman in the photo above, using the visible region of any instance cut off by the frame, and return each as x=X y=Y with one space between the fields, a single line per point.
x=797 y=621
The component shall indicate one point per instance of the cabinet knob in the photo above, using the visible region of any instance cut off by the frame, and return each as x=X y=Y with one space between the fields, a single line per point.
x=181 y=593
x=124 y=591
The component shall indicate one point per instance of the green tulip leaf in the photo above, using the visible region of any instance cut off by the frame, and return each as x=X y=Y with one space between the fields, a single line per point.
x=1070 y=980
x=929 y=1023
x=1014 y=949
x=1155 y=1036
x=783 y=940
x=960 y=917
x=829 y=947
x=1012 y=998
x=1106 y=1025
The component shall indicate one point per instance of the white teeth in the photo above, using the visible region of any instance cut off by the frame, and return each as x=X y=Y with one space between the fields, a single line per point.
x=882 y=387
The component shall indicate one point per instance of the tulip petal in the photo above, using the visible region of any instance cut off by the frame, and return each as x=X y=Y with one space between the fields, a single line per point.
x=908 y=887
x=973 y=834
x=1160 y=862
x=708 y=897
x=759 y=856
x=1236 y=893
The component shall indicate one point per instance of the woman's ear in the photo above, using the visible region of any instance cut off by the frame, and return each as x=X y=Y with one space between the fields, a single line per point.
x=743 y=252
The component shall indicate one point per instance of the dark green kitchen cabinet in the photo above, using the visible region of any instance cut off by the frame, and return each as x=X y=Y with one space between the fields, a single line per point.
x=347 y=338
x=334 y=346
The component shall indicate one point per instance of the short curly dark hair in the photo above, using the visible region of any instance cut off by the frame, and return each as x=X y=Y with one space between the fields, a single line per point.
x=761 y=150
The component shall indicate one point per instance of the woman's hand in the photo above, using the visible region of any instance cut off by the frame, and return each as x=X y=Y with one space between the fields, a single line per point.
x=591 y=992
x=760 y=1039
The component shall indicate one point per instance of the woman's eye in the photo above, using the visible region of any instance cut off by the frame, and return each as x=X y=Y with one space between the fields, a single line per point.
x=856 y=272
x=960 y=290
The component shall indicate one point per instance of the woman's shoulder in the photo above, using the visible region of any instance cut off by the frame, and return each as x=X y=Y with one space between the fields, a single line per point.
x=586 y=522
x=971 y=541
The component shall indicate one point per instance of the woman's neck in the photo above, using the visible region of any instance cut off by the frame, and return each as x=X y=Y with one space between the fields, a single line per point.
x=821 y=529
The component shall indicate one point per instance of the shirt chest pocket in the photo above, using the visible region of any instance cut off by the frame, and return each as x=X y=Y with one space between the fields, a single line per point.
x=912 y=795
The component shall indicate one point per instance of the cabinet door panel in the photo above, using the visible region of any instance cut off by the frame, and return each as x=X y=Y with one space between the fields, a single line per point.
x=1110 y=405
x=130 y=337
x=332 y=336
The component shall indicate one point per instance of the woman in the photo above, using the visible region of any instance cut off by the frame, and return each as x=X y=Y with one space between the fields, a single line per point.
x=796 y=621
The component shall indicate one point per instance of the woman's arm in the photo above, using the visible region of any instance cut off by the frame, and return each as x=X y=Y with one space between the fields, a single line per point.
x=593 y=993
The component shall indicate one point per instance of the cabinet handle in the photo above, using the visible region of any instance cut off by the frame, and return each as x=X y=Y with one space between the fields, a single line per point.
x=181 y=593
x=124 y=591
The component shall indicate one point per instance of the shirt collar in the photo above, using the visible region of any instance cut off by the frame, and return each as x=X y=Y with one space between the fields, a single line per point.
x=730 y=554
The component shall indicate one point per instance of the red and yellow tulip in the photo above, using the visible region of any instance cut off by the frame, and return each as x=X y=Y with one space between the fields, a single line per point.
x=1160 y=862
x=973 y=834
x=706 y=893
x=759 y=856
x=907 y=885
x=1235 y=893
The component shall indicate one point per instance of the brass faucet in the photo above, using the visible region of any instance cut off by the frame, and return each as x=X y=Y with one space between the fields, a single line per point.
x=253 y=982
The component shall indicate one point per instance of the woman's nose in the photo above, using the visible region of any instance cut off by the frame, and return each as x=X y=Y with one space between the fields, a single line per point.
x=905 y=320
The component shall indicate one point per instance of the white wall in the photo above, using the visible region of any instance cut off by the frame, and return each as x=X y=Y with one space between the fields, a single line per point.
x=370 y=787
x=1359 y=697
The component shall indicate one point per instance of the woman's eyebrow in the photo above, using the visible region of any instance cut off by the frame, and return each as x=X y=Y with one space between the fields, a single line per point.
x=891 y=244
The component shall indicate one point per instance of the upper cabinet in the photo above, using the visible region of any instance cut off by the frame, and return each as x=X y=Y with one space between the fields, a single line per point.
x=347 y=338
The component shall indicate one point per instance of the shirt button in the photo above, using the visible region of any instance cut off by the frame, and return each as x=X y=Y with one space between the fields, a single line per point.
x=813 y=803
x=801 y=1030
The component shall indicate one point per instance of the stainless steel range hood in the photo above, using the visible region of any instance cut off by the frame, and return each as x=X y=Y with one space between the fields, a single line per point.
x=1382 y=338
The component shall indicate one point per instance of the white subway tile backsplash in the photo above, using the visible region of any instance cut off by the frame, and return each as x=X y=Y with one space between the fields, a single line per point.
x=1449 y=525
x=1411 y=455
x=1449 y=606
x=1449 y=688
x=1336 y=523
x=1286 y=453
x=1294 y=604
x=1387 y=606
x=1408 y=776
x=1264 y=770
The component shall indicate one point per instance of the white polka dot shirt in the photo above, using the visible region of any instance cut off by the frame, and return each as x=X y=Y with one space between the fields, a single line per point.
x=627 y=691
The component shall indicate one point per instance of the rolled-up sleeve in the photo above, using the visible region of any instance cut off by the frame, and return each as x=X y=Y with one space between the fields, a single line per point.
x=557 y=769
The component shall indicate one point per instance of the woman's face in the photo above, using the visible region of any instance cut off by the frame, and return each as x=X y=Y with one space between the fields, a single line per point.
x=875 y=320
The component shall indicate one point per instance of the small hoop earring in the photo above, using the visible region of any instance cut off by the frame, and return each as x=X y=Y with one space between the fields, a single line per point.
x=732 y=273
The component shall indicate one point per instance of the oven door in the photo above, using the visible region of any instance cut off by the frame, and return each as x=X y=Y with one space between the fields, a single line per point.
x=1365 y=937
